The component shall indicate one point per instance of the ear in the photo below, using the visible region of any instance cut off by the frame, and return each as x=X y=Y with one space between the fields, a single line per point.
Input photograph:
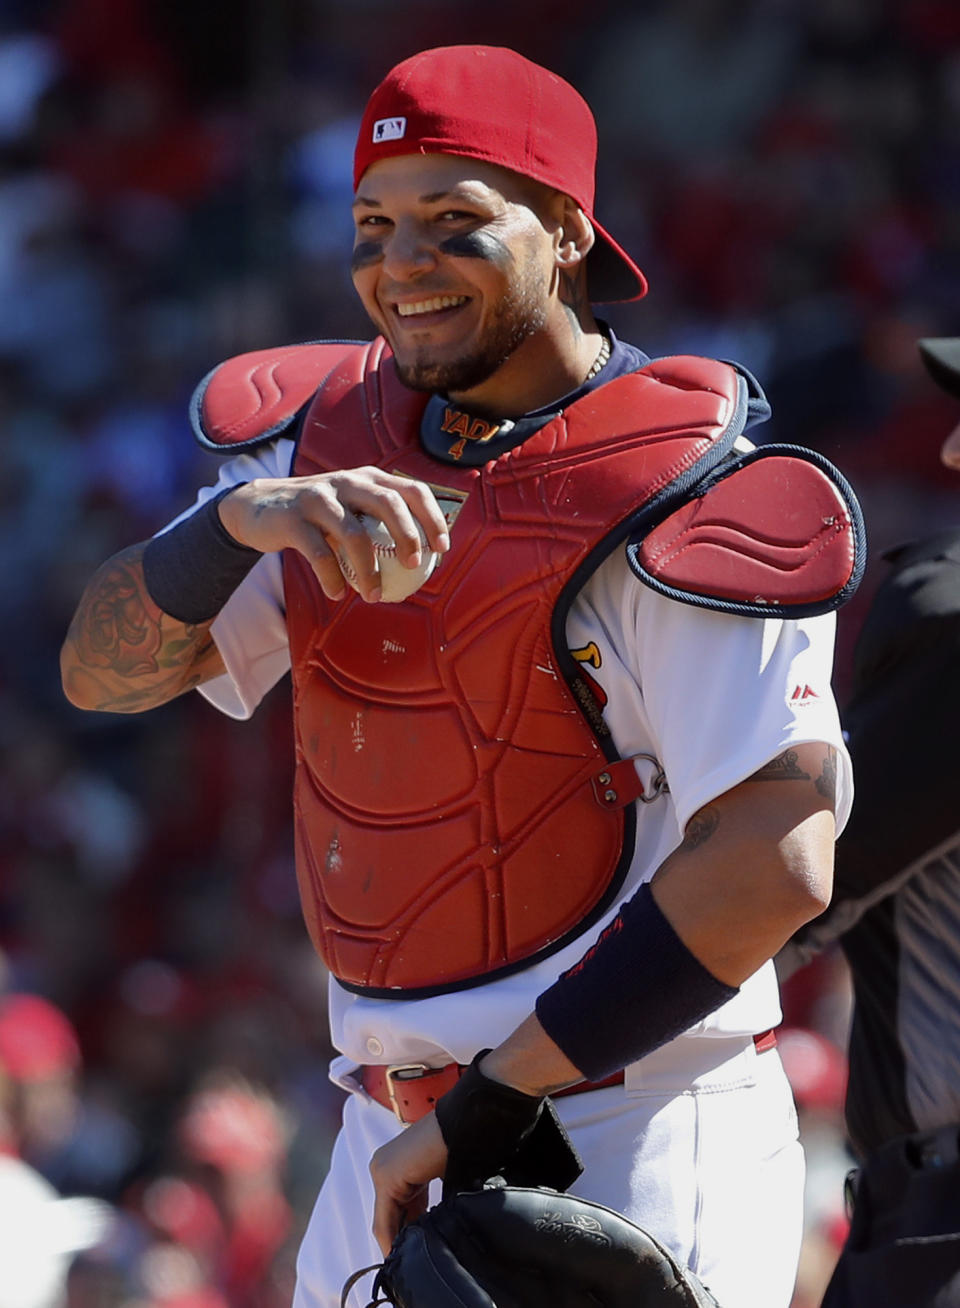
x=574 y=237
x=950 y=451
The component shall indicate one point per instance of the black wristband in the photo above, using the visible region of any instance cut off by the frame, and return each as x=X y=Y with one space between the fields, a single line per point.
x=491 y=1129
x=192 y=570
x=635 y=989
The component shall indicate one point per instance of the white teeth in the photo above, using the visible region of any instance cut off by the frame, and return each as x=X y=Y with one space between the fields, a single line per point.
x=430 y=306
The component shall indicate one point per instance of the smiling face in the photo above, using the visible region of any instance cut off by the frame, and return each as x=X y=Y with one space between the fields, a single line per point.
x=456 y=263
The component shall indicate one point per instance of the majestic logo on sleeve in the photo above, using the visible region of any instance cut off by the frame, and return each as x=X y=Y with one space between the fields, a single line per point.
x=803 y=695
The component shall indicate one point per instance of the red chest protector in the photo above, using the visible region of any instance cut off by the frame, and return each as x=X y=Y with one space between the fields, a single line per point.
x=460 y=809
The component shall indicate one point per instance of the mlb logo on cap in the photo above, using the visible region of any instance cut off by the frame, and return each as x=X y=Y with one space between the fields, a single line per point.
x=389 y=129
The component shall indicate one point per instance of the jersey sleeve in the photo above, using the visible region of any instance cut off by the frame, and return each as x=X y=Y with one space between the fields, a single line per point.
x=713 y=696
x=251 y=635
x=725 y=694
x=250 y=631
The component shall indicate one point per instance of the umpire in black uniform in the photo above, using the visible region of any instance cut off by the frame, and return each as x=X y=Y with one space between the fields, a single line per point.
x=896 y=913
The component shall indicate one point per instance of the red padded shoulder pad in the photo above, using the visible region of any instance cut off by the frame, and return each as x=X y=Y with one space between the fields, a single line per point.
x=776 y=532
x=253 y=397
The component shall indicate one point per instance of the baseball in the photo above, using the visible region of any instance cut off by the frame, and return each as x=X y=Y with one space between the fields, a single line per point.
x=396 y=581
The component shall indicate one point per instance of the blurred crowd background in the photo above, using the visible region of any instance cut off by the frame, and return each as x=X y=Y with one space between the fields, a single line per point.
x=174 y=188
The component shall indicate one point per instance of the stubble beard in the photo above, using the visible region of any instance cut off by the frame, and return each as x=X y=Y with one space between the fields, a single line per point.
x=519 y=315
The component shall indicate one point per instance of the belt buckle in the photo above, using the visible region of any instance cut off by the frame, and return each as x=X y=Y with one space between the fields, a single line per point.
x=395 y=1070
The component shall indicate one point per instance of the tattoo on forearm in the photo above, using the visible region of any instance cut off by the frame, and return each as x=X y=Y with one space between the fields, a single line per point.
x=127 y=651
x=110 y=700
x=782 y=768
x=117 y=627
x=826 y=783
x=701 y=827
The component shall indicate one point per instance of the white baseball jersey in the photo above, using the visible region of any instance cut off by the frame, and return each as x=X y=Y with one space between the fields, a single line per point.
x=711 y=696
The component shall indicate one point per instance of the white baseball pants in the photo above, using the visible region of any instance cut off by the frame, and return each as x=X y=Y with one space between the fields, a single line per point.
x=699 y=1147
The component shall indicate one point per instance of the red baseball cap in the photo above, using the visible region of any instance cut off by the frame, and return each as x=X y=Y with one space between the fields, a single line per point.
x=37 y=1041
x=488 y=102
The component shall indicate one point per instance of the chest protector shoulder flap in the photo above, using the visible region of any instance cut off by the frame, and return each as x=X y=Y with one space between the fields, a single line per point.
x=460 y=808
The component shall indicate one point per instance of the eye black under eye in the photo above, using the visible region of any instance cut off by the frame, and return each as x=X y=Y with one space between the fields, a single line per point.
x=366 y=253
x=478 y=243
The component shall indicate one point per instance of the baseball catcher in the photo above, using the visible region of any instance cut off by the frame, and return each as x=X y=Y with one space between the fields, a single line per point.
x=567 y=797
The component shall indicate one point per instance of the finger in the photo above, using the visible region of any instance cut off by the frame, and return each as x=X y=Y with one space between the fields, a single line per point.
x=330 y=576
x=311 y=542
x=388 y=505
x=416 y=1207
x=401 y=503
x=389 y=1214
x=354 y=556
x=422 y=502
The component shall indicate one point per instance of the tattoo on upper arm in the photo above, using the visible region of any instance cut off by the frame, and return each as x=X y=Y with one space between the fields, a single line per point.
x=826 y=783
x=784 y=767
x=701 y=827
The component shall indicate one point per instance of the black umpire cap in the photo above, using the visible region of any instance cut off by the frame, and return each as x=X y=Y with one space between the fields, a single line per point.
x=942 y=357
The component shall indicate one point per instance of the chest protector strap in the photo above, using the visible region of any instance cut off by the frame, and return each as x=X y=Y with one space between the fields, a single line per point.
x=451 y=821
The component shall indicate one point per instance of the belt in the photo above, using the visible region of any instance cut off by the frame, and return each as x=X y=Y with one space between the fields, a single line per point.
x=410 y=1090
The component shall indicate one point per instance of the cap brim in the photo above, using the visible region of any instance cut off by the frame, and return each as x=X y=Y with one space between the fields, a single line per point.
x=612 y=275
x=942 y=357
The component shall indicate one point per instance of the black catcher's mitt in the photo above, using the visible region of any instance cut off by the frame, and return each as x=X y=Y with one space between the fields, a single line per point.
x=518 y=1247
